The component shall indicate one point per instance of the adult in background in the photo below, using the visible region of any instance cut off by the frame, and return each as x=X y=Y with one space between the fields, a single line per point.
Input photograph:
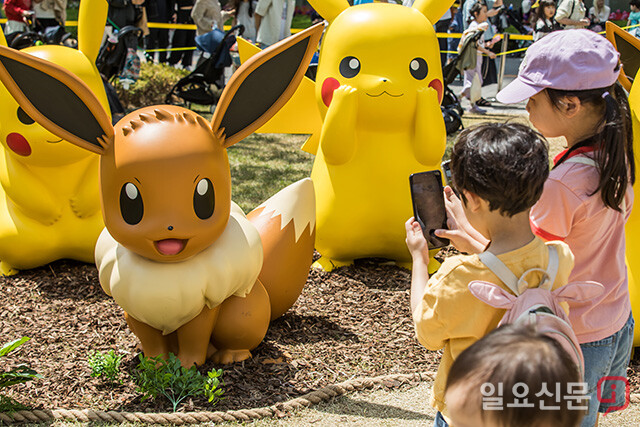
x=207 y=15
x=160 y=11
x=599 y=15
x=183 y=38
x=245 y=10
x=17 y=11
x=273 y=21
x=50 y=13
x=572 y=14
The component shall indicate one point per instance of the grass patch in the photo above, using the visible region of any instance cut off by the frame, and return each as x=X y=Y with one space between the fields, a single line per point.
x=263 y=164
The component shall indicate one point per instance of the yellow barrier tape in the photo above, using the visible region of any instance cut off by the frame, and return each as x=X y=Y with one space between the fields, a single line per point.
x=171 y=50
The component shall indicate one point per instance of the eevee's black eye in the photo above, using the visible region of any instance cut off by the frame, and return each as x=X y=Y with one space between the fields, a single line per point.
x=24 y=117
x=131 y=206
x=204 y=199
x=418 y=68
x=349 y=67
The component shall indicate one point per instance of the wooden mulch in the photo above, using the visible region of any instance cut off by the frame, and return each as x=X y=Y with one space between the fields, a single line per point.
x=352 y=322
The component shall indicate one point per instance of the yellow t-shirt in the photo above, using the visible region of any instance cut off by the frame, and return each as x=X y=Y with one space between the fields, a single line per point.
x=450 y=316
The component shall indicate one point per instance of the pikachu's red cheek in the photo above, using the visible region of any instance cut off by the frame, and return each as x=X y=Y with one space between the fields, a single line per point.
x=328 y=87
x=18 y=144
x=437 y=85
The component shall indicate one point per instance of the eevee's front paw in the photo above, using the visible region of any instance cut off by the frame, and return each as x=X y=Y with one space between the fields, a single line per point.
x=224 y=357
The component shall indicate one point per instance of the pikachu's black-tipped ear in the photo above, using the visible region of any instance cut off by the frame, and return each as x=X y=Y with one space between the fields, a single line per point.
x=629 y=48
x=56 y=99
x=263 y=84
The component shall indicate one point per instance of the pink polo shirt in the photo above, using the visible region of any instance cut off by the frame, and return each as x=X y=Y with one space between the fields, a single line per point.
x=595 y=234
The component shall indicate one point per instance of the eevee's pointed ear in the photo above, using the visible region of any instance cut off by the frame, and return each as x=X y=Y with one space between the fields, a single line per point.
x=329 y=9
x=92 y=17
x=263 y=84
x=492 y=294
x=629 y=47
x=433 y=9
x=56 y=99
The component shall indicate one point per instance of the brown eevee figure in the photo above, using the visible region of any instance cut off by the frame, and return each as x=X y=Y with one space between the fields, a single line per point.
x=177 y=254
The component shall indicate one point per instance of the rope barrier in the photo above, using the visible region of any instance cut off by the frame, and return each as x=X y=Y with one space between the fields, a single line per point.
x=181 y=418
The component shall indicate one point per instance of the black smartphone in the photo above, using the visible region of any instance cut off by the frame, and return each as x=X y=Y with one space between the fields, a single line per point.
x=448 y=177
x=428 y=205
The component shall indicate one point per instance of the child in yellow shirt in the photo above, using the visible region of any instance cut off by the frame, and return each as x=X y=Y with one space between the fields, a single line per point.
x=499 y=171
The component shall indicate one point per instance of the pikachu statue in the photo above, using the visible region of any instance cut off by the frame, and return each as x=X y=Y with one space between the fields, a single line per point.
x=49 y=198
x=193 y=274
x=378 y=87
x=629 y=48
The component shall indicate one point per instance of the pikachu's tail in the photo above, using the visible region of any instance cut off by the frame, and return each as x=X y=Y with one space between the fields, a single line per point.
x=287 y=226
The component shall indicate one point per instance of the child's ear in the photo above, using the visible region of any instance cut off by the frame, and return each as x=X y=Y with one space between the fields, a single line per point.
x=571 y=106
x=56 y=99
x=262 y=85
x=472 y=201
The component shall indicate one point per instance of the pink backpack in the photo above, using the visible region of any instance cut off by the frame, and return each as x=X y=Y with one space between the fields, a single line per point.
x=538 y=306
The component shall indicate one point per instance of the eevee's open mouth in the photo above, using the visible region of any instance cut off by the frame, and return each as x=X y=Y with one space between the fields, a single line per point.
x=383 y=92
x=54 y=142
x=170 y=246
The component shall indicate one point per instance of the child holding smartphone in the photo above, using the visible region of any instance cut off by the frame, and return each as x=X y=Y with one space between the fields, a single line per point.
x=499 y=171
x=588 y=197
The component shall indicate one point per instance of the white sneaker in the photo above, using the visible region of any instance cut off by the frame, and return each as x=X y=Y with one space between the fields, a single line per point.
x=477 y=110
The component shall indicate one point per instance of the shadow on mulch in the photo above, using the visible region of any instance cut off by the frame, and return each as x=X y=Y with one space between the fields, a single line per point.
x=352 y=322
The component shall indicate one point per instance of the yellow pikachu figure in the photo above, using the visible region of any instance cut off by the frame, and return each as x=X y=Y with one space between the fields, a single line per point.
x=378 y=88
x=629 y=48
x=50 y=199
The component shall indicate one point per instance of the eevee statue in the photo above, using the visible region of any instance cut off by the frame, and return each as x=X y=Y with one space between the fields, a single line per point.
x=177 y=254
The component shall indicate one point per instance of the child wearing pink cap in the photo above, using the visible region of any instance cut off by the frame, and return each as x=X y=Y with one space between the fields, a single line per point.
x=569 y=78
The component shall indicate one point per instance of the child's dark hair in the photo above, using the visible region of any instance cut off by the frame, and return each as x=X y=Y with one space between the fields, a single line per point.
x=475 y=9
x=541 y=7
x=236 y=6
x=507 y=358
x=503 y=163
x=614 y=155
x=635 y=3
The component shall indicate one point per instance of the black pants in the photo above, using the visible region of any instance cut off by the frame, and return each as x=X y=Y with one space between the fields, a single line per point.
x=183 y=38
x=158 y=38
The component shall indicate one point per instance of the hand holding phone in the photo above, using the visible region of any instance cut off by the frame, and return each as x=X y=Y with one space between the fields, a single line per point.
x=428 y=205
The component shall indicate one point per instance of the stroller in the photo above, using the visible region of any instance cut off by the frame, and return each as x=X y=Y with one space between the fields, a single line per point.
x=32 y=37
x=204 y=85
x=451 y=109
x=114 y=53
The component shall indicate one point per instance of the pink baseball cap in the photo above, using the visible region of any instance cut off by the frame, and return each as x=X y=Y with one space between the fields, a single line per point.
x=564 y=60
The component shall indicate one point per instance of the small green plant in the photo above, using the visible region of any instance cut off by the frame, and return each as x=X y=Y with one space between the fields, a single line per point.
x=105 y=365
x=156 y=377
x=18 y=375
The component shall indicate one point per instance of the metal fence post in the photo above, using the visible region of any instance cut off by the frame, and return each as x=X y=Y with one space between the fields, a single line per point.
x=503 y=60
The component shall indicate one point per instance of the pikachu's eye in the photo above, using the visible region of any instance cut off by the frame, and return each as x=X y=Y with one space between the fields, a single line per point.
x=204 y=200
x=349 y=67
x=24 y=117
x=131 y=206
x=419 y=68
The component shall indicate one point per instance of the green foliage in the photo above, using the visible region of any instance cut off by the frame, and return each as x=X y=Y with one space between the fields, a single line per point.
x=105 y=365
x=18 y=375
x=156 y=377
x=155 y=82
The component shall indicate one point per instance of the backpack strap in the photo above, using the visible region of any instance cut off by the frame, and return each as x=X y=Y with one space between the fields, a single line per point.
x=498 y=268
x=589 y=161
x=514 y=283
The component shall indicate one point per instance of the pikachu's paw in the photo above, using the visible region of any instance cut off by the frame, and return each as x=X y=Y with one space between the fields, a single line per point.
x=81 y=208
x=6 y=269
x=328 y=264
x=224 y=357
x=344 y=92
